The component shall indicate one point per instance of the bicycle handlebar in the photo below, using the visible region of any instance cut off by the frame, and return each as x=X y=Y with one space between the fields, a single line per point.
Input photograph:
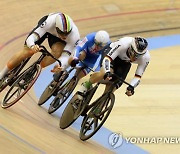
x=122 y=80
x=44 y=50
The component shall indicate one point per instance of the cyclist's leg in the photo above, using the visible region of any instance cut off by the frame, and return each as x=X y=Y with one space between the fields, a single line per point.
x=16 y=60
x=57 y=46
x=97 y=76
x=84 y=71
x=121 y=68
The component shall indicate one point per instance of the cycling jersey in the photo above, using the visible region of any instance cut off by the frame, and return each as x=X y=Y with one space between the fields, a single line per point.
x=87 y=45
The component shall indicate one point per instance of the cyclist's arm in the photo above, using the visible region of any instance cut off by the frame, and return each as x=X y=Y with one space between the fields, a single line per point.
x=36 y=35
x=30 y=41
x=81 y=49
x=70 y=47
x=142 y=65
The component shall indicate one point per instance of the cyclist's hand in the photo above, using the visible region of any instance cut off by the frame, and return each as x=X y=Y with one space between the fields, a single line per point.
x=56 y=69
x=108 y=76
x=129 y=91
x=74 y=62
x=35 y=48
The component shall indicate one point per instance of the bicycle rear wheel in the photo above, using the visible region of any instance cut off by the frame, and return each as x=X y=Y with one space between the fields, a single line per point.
x=21 y=86
x=97 y=116
x=48 y=92
x=63 y=94
x=72 y=111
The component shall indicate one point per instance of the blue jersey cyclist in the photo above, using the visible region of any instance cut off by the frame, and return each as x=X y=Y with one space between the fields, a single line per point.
x=88 y=50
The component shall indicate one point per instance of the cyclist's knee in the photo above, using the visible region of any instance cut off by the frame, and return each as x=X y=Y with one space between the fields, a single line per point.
x=97 y=76
x=57 y=49
x=27 y=52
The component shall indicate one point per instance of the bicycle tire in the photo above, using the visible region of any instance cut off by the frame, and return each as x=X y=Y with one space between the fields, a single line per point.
x=64 y=92
x=36 y=69
x=67 y=117
x=109 y=98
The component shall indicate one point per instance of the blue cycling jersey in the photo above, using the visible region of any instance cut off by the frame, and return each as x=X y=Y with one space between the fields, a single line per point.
x=88 y=45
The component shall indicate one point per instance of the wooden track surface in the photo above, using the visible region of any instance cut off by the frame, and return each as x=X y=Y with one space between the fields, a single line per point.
x=154 y=110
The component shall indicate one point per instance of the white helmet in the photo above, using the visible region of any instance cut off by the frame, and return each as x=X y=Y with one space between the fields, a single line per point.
x=139 y=46
x=63 y=24
x=102 y=38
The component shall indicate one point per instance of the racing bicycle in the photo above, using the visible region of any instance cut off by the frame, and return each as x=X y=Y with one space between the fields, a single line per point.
x=95 y=113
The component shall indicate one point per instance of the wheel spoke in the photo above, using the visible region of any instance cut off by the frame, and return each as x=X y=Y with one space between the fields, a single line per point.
x=88 y=127
x=11 y=95
x=99 y=113
x=19 y=92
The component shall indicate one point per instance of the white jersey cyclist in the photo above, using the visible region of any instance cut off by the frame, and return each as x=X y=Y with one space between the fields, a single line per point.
x=51 y=25
x=129 y=50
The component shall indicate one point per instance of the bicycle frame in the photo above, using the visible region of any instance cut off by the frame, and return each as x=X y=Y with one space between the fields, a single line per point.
x=89 y=94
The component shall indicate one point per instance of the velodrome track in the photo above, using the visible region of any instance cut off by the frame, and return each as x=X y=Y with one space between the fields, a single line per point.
x=152 y=111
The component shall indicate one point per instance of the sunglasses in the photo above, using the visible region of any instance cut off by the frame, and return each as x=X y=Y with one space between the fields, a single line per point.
x=99 y=44
x=133 y=53
x=61 y=32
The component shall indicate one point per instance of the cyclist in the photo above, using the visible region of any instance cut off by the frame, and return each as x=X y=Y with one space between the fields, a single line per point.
x=118 y=59
x=62 y=35
x=88 y=50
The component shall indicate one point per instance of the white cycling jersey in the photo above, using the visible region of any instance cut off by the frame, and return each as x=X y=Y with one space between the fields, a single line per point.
x=119 y=49
x=48 y=26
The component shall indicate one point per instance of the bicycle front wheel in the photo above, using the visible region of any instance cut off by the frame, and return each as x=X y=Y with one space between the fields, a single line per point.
x=96 y=116
x=73 y=108
x=48 y=92
x=21 y=86
x=63 y=94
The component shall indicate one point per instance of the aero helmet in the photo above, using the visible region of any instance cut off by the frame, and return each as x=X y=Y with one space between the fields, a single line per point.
x=63 y=24
x=139 y=46
x=102 y=38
